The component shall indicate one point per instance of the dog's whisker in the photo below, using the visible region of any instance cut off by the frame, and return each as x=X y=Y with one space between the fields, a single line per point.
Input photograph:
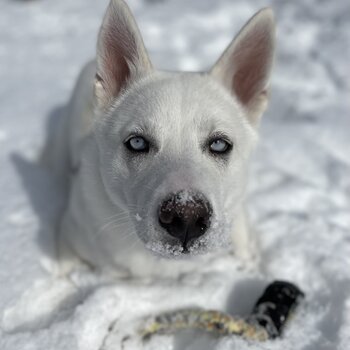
x=136 y=209
x=127 y=235
x=133 y=206
x=114 y=223
x=120 y=217
x=132 y=245
x=148 y=187
x=111 y=230
x=117 y=215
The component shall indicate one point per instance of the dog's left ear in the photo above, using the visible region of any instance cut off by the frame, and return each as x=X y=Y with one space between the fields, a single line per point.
x=121 y=53
x=244 y=68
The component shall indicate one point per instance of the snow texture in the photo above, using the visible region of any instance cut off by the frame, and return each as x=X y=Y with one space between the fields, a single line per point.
x=298 y=199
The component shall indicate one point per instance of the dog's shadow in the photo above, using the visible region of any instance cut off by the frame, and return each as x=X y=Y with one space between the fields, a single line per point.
x=46 y=196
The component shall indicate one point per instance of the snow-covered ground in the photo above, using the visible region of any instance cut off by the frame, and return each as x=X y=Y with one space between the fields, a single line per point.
x=299 y=197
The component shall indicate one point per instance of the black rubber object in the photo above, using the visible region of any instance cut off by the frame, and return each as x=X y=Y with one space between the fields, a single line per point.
x=275 y=306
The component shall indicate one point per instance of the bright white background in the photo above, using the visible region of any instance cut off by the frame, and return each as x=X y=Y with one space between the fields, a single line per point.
x=299 y=198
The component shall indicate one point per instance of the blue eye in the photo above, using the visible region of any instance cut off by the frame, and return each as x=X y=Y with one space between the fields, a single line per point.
x=219 y=146
x=137 y=144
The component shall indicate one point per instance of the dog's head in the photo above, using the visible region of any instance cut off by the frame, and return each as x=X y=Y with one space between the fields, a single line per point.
x=173 y=147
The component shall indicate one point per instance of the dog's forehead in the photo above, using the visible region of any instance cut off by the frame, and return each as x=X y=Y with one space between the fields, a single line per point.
x=180 y=98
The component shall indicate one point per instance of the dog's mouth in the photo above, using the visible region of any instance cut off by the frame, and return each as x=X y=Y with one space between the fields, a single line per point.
x=188 y=244
x=163 y=245
x=177 y=250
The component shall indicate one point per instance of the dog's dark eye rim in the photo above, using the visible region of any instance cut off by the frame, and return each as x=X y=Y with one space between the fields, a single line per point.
x=128 y=145
x=228 y=145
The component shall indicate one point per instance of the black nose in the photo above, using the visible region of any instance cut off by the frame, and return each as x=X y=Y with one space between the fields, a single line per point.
x=185 y=216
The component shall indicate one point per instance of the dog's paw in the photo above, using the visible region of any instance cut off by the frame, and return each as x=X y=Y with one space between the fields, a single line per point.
x=41 y=305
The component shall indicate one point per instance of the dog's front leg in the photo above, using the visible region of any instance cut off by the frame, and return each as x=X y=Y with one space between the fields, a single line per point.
x=245 y=241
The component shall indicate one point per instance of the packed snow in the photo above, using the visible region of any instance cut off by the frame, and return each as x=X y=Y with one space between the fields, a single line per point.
x=299 y=196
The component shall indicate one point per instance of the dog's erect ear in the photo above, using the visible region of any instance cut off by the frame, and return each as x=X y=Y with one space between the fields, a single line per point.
x=244 y=68
x=121 y=54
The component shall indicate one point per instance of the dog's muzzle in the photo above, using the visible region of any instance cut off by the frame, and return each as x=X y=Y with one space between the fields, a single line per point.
x=185 y=216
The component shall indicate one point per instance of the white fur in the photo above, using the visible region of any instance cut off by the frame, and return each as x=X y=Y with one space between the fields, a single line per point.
x=111 y=219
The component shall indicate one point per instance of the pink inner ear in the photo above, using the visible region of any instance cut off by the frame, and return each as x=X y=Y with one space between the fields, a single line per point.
x=251 y=65
x=116 y=53
x=121 y=55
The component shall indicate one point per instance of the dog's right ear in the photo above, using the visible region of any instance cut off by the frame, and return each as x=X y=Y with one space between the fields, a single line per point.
x=121 y=54
x=244 y=68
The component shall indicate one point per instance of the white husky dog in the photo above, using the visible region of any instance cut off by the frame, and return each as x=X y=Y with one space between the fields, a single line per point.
x=155 y=162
